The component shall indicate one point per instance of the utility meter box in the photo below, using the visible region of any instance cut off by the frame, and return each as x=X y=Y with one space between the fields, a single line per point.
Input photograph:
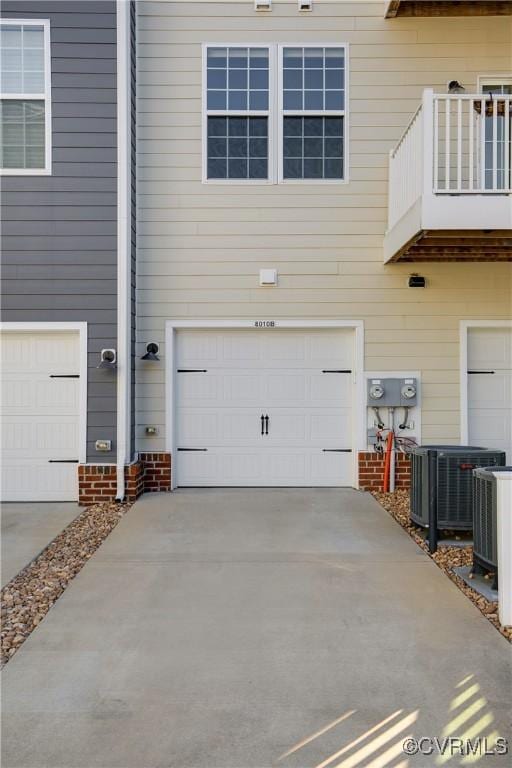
x=392 y=393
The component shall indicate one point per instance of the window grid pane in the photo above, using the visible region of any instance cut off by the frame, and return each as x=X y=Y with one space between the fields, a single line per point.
x=313 y=79
x=313 y=148
x=237 y=147
x=22 y=136
x=22 y=59
x=237 y=79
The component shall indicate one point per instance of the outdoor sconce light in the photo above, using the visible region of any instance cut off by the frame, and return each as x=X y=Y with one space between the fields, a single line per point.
x=108 y=359
x=416 y=281
x=151 y=352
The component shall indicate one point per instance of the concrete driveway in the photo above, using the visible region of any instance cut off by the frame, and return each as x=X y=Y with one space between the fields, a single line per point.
x=27 y=528
x=255 y=628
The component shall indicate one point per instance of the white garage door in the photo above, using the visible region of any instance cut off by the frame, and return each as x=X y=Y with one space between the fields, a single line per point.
x=490 y=388
x=264 y=408
x=39 y=416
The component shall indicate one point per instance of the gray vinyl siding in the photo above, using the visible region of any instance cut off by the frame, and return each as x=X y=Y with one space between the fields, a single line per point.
x=59 y=232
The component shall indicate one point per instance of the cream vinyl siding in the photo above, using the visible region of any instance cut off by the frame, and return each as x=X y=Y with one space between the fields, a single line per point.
x=200 y=246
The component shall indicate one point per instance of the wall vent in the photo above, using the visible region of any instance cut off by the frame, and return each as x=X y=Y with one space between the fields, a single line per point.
x=262 y=5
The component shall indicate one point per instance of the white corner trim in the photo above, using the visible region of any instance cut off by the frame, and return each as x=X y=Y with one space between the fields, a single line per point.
x=123 y=242
x=464 y=327
x=359 y=390
x=81 y=329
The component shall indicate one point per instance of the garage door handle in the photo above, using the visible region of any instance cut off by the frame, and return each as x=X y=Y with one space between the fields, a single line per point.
x=64 y=376
x=336 y=371
x=262 y=424
x=481 y=372
x=337 y=450
x=62 y=461
x=266 y=424
x=192 y=370
x=192 y=449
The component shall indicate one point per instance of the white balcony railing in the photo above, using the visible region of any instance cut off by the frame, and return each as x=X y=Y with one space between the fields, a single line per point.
x=455 y=144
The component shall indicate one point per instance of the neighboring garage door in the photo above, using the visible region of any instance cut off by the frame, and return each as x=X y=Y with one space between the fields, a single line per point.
x=490 y=388
x=264 y=408
x=39 y=416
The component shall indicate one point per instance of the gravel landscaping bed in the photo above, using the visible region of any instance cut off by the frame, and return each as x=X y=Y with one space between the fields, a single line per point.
x=27 y=598
x=446 y=557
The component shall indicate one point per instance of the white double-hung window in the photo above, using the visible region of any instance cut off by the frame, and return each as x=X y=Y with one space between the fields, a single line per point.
x=274 y=113
x=237 y=97
x=312 y=112
x=25 y=105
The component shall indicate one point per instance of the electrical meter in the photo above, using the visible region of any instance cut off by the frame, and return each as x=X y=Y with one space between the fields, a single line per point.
x=376 y=391
x=408 y=391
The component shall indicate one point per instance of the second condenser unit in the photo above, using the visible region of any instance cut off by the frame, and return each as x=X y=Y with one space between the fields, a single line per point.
x=485 y=514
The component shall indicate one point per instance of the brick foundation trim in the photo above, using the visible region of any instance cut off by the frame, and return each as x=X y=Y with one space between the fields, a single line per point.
x=157 y=471
x=371 y=470
x=151 y=473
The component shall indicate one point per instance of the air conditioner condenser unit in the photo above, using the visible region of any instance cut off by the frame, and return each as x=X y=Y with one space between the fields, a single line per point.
x=485 y=514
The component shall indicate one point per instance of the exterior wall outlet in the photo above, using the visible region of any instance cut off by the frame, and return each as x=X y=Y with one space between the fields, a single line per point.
x=268 y=276
x=151 y=431
x=103 y=445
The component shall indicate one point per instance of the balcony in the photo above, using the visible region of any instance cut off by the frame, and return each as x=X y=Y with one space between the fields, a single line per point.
x=450 y=191
x=447 y=8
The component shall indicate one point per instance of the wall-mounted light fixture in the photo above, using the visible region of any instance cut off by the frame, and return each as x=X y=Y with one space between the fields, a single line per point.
x=416 y=281
x=455 y=87
x=108 y=359
x=151 y=352
x=103 y=445
x=151 y=431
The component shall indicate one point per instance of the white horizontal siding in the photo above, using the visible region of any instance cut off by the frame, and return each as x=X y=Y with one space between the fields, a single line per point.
x=200 y=246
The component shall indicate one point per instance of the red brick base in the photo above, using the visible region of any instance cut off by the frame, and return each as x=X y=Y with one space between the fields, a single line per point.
x=371 y=470
x=157 y=471
x=151 y=473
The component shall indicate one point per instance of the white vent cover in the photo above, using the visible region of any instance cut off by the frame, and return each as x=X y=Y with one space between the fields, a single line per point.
x=268 y=276
x=305 y=5
x=262 y=5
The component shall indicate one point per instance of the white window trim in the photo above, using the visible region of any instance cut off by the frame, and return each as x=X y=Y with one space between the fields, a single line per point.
x=312 y=113
x=269 y=114
x=464 y=328
x=275 y=115
x=46 y=97
x=358 y=389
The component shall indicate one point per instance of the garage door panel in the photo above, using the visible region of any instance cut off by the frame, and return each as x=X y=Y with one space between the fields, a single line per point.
x=490 y=392
x=487 y=391
x=39 y=416
x=47 y=435
x=327 y=428
x=330 y=388
x=490 y=348
x=277 y=466
x=326 y=466
x=38 y=394
x=48 y=482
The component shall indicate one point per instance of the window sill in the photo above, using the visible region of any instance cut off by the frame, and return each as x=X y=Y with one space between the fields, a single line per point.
x=25 y=171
